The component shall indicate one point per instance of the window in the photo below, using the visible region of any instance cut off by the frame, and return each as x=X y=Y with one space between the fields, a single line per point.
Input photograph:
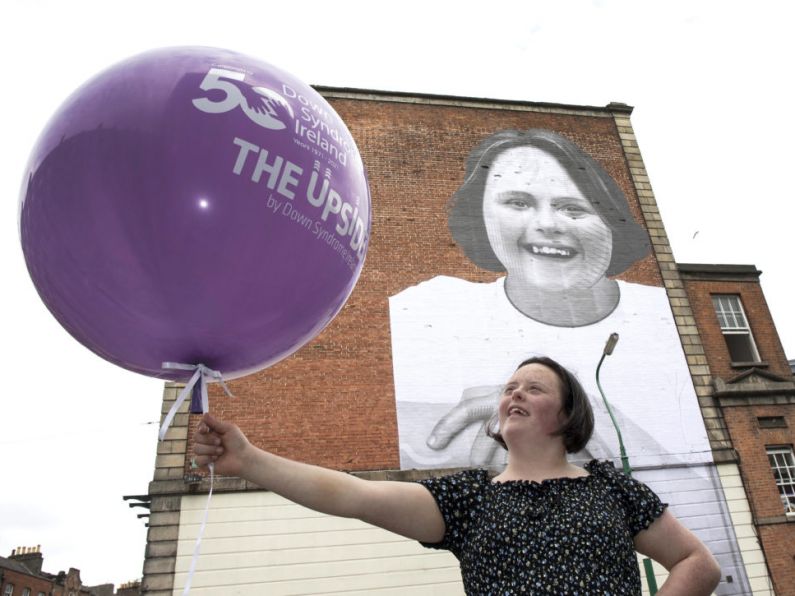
x=771 y=422
x=9 y=591
x=782 y=462
x=735 y=328
x=26 y=592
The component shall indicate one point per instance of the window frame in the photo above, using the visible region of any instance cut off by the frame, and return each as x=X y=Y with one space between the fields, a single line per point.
x=738 y=329
x=783 y=480
x=765 y=422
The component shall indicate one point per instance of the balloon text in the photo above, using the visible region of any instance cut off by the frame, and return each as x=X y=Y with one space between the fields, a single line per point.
x=283 y=177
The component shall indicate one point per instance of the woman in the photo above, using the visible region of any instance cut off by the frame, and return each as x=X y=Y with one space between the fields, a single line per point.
x=541 y=526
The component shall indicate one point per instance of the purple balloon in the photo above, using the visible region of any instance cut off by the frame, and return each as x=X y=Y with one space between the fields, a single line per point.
x=195 y=205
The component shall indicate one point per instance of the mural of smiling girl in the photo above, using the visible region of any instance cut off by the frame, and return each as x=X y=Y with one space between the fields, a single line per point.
x=538 y=209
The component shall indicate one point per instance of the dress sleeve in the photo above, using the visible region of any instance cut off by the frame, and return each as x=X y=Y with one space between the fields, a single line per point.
x=641 y=504
x=458 y=497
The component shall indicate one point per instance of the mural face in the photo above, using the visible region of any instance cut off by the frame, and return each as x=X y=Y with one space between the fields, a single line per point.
x=539 y=210
x=541 y=227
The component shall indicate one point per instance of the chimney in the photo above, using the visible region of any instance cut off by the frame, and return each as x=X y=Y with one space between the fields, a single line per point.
x=30 y=557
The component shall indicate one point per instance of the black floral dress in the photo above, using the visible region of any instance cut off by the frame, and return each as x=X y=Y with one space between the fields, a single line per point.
x=560 y=536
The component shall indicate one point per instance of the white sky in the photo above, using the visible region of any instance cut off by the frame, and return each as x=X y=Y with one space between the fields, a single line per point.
x=711 y=83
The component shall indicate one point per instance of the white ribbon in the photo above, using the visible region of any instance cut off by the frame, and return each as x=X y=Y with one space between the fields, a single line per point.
x=197 y=546
x=201 y=375
x=200 y=372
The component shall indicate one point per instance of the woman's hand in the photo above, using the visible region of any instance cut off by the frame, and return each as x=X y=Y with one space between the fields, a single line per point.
x=222 y=444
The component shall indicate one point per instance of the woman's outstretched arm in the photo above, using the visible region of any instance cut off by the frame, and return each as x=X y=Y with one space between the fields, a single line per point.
x=406 y=508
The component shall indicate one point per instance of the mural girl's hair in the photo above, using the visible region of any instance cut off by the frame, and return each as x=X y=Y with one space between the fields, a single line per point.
x=465 y=211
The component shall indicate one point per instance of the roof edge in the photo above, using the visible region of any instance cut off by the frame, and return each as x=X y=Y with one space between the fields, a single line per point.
x=405 y=97
x=718 y=271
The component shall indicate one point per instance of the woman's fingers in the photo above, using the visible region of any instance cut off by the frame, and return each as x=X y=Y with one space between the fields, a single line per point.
x=213 y=424
x=205 y=454
x=207 y=438
x=207 y=446
x=205 y=449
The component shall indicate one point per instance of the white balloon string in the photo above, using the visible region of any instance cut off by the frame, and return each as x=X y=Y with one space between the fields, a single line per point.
x=197 y=546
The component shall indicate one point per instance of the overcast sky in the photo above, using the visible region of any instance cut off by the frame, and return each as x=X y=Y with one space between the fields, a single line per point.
x=711 y=83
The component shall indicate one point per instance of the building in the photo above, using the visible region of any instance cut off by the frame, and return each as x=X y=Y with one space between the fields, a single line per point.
x=22 y=571
x=21 y=574
x=755 y=395
x=432 y=328
x=132 y=588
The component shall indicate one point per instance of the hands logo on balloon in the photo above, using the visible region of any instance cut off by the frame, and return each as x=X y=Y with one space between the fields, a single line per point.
x=262 y=112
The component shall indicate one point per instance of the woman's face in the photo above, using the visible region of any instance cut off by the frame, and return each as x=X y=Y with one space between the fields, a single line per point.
x=543 y=230
x=531 y=403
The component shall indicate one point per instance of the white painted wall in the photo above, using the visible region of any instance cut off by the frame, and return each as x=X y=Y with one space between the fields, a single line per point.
x=740 y=512
x=257 y=543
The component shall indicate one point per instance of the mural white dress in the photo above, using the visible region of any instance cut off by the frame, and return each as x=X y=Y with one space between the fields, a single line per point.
x=450 y=335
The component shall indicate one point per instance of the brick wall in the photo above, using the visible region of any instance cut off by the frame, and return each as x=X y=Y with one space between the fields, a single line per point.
x=756 y=310
x=759 y=396
x=776 y=532
x=750 y=441
x=21 y=581
x=778 y=541
x=333 y=403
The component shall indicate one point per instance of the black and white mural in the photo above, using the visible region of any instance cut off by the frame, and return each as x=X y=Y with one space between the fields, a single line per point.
x=538 y=209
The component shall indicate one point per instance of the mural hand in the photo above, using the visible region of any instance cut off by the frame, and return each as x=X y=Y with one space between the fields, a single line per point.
x=485 y=450
x=477 y=405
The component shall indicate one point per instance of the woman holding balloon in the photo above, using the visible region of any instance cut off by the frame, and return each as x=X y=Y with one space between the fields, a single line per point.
x=146 y=197
x=543 y=525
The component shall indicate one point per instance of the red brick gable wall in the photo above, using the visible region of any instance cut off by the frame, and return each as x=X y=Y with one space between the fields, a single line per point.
x=333 y=402
x=756 y=310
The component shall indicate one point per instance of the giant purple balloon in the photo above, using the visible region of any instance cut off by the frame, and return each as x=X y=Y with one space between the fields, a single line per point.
x=195 y=205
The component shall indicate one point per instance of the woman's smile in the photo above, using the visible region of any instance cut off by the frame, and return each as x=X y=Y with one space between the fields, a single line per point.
x=517 y=411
